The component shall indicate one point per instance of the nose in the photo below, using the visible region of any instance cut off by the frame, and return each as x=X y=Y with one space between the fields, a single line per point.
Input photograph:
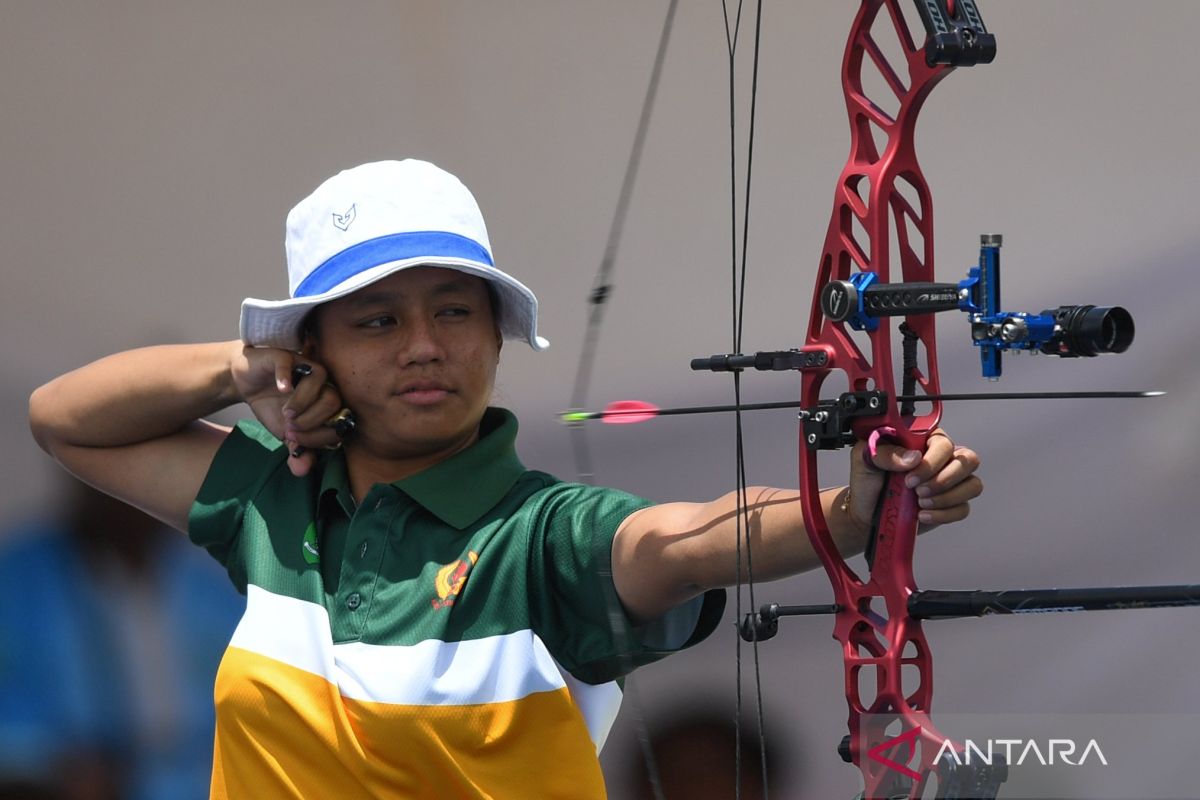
x=422 y=345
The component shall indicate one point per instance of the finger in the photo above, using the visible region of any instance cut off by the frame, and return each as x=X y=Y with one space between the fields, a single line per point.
x=287 y=372
x=964 y=492
x=308 y=382
x=327 y=403
x=314 y=439
x=943 y=516
x=939 y=450
x=962 y=465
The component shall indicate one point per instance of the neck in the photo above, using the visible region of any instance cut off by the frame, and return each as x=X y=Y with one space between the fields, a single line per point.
x=365 y=468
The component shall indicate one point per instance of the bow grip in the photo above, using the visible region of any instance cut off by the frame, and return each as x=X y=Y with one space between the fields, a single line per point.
x=894 y=521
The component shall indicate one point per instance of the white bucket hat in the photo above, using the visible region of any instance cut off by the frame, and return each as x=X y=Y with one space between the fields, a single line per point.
x=365 y=223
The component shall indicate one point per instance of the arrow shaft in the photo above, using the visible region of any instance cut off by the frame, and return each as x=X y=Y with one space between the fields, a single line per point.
x=916 y=398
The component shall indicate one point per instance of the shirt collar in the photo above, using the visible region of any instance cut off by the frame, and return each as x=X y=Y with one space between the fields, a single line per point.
x=460 y=489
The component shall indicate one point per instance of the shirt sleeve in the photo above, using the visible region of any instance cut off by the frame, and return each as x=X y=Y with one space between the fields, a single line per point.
x=247 y=458
x=574 y=601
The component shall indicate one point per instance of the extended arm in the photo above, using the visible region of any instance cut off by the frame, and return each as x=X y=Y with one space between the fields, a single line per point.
x=669 y=553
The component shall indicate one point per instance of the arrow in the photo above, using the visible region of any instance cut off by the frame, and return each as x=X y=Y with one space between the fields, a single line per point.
x=628 y=412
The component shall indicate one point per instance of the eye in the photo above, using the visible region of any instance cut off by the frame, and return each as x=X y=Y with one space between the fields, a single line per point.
x=378 y=321
x=454 y=312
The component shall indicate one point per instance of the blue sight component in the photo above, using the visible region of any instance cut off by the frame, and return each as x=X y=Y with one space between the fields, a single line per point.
x=859 y=320
x=1066 y=331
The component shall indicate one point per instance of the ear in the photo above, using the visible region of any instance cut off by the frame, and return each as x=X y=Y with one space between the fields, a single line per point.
x=309 y=341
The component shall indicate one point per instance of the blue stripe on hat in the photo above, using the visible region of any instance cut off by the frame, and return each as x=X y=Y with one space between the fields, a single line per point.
x=393 y=247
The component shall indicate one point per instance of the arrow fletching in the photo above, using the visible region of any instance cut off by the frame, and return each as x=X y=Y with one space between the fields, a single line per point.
x=628 y=412
x=620 y=412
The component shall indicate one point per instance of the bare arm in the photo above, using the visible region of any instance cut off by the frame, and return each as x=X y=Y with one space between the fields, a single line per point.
x=669 y=553
x=132 y=424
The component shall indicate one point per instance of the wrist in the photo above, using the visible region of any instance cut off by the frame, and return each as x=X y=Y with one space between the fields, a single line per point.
x=234 y=363
x=845 y=505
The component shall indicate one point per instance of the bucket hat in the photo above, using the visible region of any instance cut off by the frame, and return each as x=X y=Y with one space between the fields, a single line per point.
x=371 y=221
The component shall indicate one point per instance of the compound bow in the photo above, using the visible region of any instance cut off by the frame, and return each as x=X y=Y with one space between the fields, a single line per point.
x=882 y=207
x=883 y=211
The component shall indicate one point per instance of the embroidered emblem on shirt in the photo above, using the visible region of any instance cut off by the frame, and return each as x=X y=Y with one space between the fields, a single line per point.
x=308 y=548
x=450 y=579
x=344 y=221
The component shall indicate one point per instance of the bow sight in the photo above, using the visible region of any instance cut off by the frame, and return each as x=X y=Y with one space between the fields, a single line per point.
x=1066 y=331
x=862 y=299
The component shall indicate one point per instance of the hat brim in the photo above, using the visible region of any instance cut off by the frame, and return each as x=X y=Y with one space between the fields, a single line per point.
x=277 y=323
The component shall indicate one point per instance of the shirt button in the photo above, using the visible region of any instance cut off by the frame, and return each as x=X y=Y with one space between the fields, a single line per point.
x=362 y=551
x=353 y=601
x=378 y=503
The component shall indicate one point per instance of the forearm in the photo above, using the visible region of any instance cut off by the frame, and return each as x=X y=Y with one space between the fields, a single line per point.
x=134 y=396
x=667 y=554
x=779 y=545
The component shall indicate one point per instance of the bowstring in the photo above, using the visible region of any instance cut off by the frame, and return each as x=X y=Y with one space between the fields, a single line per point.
x=738 y=298
x=597 y=299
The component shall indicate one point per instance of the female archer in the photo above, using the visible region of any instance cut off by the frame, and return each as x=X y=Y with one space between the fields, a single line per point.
x=425 y=616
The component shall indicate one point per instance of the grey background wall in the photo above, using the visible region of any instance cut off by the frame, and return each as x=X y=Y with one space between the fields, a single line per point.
x=150 y=151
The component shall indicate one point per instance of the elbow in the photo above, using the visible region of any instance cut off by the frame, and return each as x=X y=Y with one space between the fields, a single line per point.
x=40 y=419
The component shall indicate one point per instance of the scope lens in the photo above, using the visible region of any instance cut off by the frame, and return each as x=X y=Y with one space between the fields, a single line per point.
x=1091 y=330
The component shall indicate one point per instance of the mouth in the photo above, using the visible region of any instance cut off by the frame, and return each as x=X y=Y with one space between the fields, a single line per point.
x=424 y=393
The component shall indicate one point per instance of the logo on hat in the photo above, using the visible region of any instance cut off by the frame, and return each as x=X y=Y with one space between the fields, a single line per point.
x=344 y=221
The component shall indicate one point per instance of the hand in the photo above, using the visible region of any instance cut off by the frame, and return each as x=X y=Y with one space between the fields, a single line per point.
x=296 y=412
x=944 y=479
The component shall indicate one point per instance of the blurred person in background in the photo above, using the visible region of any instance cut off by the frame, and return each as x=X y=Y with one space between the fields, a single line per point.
x=694 y=754
x=111 y=629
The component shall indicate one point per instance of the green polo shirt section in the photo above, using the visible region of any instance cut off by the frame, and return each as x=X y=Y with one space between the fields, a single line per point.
x=446 y=636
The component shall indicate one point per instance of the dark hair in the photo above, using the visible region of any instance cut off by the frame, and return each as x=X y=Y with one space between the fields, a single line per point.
x=308 y=325
x=494 y=300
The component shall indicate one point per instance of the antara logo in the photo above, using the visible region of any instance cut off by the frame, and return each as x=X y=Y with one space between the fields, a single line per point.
x=1013 y=752
x=1047 y=753
x=908 y=739
x=450 y=579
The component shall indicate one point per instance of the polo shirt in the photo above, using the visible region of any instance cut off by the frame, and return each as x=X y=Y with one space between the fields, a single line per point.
x=457 y=634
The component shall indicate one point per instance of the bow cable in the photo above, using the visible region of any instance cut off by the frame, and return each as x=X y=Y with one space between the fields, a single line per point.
x=602 y=286
x=738 y=286
x=601 y=291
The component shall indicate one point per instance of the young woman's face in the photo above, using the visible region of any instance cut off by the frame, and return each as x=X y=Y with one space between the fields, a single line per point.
x=414 y=356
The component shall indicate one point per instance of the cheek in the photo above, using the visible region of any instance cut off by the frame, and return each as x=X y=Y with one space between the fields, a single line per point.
x=483 y=365
x=355 y=379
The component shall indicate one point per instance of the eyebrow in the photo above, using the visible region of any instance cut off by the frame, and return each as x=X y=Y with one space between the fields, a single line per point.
x=366 y=298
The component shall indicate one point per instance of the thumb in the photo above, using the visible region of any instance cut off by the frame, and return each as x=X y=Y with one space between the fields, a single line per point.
x=301 y=464
x=283 y=372
x=893 y=458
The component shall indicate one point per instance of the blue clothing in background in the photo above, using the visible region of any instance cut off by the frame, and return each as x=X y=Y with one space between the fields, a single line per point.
x=70 y=681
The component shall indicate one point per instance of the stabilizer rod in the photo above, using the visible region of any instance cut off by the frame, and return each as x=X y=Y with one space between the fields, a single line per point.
x=937 y=604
